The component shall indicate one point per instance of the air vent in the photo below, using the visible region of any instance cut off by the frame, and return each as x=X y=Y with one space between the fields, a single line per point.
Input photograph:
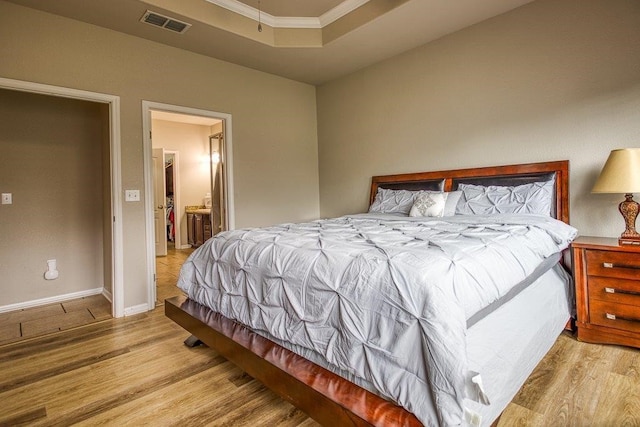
x=165 y=22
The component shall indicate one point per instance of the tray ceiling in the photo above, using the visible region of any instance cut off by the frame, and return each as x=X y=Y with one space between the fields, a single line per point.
x=309 y=41
x=294 y=8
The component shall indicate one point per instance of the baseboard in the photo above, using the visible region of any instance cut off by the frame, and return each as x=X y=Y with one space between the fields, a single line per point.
x=107 y=295
x=50 y=300
x=185 y=247
x=136 y=309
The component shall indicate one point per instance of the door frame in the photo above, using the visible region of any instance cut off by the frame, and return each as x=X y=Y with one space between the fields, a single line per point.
x=147 y=108
x=113 y=101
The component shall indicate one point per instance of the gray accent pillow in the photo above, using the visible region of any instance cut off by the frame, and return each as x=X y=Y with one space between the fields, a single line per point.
x=453 y=197
x=534 y=198
x=393 y=201
x=401 y=201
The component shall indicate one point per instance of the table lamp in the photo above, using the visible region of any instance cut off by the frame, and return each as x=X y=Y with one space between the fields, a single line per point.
x=621 y=174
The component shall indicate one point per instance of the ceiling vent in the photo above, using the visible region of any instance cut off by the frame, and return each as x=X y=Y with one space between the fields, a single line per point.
x=165 y=22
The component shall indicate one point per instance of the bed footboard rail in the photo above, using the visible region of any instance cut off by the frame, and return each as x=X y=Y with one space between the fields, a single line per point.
x=323 y=395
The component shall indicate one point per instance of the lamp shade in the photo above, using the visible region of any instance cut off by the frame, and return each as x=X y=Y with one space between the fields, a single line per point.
x=621 y=173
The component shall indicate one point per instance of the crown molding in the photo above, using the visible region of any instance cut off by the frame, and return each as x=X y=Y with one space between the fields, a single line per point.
x=325 y=19
x=339 y=11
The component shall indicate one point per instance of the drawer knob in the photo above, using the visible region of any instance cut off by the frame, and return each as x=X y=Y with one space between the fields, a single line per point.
x=610 y=316
x=620 y=265
x=621 y=291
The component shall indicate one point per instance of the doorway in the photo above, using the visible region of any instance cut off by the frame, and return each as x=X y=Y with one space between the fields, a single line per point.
x=190 y=161
x=112 y=260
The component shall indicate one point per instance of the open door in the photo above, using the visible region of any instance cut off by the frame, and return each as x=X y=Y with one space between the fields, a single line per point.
x=159 y=202
x=218 y=204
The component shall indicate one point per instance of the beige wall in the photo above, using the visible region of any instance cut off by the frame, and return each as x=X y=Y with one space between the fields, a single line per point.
x=52 y=164
x=274 y=119
x=192 y=143
x=555 y=79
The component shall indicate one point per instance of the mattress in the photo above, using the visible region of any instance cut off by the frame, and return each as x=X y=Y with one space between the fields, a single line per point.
x=383 y=301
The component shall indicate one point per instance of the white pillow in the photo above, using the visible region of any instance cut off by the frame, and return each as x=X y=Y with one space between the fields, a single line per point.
x=429 y=203
x=534 y=198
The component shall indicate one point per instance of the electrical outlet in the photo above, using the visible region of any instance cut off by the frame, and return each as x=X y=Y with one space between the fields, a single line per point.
x=7 y=198
x=131 y=195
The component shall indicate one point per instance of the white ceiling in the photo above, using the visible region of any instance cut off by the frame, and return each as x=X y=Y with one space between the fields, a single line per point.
x=304 y=8
x=410 y=24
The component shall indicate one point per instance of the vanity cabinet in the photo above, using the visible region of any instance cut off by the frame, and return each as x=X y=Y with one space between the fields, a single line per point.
x=198 y=226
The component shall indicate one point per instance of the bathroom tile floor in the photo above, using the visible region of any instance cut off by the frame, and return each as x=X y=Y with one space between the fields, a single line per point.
x=37 y=321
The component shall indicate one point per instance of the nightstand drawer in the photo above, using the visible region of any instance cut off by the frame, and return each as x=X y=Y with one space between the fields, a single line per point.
x=613 y=264
x=621 y=291
x=612 y=315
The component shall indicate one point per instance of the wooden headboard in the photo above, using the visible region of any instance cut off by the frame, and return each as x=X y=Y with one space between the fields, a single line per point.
x=509 y=175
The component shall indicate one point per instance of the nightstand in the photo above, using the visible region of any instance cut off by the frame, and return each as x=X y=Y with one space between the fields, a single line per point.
x=607 y=280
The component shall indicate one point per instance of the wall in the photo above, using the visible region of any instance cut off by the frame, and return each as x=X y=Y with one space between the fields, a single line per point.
x=555 y=79
x=274 y=119
x=192 y=143
x=52 y=164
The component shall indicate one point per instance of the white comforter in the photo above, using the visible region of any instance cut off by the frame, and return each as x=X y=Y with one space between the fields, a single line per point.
x=383 y=299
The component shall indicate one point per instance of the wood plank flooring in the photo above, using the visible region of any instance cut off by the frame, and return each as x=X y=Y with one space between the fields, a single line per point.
x=580 y=384
x=131 y=371
x=167 y=270
x=137 y=371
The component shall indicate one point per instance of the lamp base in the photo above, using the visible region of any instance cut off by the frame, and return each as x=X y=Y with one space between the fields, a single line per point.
x=629 y=241
x=629 y=210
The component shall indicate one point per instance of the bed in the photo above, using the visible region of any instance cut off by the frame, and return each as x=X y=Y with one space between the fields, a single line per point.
x=460 y=348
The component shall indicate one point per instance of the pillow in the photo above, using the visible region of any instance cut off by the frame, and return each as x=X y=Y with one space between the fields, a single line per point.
x=393 y=201
x=429 y=203
x=452 y=201
x=534 y=198
x=401 y=201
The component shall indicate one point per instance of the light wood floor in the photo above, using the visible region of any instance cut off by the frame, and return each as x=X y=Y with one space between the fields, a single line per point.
x=136 y=371
x=167 y=269
x=580 y=384
x=130 y=371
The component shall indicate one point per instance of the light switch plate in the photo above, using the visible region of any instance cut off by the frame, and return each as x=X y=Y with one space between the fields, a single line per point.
x=7 y=198
x=131 y=195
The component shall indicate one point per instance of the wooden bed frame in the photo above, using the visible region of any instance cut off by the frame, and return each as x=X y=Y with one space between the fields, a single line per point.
x=323 y=395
